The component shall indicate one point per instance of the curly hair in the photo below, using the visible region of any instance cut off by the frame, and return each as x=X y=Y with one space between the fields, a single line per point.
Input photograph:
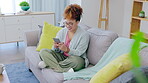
x=73 y=12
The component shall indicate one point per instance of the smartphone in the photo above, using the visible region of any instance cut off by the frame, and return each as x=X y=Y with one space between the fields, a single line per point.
x=56 y=40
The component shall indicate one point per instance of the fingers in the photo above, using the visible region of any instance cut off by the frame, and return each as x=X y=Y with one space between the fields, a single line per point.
x=60 y=44
x=55 y=44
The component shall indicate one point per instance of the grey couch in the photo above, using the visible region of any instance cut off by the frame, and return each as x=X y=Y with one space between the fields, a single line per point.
x=100 y=40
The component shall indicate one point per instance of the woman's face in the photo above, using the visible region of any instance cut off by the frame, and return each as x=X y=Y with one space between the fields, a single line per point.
x=71 y=25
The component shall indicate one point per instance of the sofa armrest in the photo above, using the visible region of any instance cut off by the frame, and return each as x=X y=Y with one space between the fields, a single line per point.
x=31 y=37
x=128 y=77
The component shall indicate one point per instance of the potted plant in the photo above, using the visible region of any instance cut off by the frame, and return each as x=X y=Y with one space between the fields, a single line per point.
x=142 y=14
x=24 y=5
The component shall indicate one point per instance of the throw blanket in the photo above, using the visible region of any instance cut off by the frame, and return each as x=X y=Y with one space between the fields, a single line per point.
x=118 y=47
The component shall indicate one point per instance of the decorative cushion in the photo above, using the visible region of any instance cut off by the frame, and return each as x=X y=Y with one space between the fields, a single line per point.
x=48 y=32
x=116 y=67
x=100 y=40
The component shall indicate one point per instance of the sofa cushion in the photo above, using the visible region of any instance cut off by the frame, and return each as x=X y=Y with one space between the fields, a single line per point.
x=48 y=74
x=83 y=26
x=77 y=81
x=100 y=40
x=33 y=55
x=52 y=77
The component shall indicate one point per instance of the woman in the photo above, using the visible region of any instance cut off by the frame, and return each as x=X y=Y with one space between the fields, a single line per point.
x=70 y=53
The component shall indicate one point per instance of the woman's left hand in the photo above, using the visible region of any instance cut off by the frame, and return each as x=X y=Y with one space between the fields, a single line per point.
x=63 y=47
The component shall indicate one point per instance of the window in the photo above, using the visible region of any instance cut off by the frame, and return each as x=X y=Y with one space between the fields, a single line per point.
x=10 y=6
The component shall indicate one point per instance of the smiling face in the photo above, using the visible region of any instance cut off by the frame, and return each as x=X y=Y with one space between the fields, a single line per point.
x=71 y=25
x=72 y=15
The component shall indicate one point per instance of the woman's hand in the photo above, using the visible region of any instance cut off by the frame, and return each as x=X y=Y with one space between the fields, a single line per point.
x=63 y=47
x=55 y=45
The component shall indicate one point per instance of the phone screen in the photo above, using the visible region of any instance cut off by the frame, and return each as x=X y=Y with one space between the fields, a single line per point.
x=56 y=40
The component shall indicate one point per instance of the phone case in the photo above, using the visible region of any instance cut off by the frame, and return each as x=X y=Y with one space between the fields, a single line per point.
x=56 y=40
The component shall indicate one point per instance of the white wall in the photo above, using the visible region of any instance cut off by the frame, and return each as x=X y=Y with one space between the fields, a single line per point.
x=127 y=17
x=119 y=18
x=116 y=17
x=91 y=12
x=75 y=2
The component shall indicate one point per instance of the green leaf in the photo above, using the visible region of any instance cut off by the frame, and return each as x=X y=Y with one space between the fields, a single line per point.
x=24 y=3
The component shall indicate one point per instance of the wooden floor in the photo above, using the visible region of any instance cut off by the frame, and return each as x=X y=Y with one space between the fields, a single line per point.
x=11 y=53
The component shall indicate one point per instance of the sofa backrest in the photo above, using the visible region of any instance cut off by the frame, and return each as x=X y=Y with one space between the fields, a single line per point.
x=100 y=40
x=144 y=56
x=84 y=26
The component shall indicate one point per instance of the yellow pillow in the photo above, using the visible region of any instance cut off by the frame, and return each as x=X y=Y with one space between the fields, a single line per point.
x=112 y=70
x=49 y=31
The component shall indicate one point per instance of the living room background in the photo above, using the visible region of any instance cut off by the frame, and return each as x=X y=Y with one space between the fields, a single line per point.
x=10 y=6
x=119 y=20
x=57 y=6
x=119 y=15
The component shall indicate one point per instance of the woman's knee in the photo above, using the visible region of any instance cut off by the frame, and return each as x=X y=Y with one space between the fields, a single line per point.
x=78 y=62
x=44 y=52
x=76 y=59
x=44 y=49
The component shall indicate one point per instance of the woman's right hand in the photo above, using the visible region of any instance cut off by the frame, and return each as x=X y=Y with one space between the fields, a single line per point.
x=55 y=45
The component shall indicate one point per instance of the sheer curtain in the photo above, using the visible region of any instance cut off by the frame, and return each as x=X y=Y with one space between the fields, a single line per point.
x=56 y=6
x=10 y=6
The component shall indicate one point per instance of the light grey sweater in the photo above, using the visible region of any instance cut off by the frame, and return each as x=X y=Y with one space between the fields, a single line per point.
x=78 y=44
